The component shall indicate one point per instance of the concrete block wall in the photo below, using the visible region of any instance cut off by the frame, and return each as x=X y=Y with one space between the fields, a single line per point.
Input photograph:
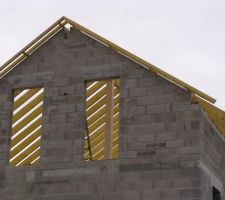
x=159 y=140
x=212 y=153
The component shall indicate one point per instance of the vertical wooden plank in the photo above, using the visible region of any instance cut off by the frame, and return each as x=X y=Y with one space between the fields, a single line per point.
x=109 y=118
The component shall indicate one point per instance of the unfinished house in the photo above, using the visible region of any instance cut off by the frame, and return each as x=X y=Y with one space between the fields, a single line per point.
x=83 y=119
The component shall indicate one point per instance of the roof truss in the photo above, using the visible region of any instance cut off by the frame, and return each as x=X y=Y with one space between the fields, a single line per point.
x=59 y=24
x=203 y=99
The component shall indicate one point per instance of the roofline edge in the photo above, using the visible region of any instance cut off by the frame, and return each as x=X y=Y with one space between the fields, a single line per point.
x=65 y=20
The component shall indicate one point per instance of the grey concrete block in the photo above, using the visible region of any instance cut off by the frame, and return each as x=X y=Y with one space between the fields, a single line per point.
x=148 y=100
x=129 y=83
x=132 y=195
x=159 y=108
x=150 y=195
x=136 y=110
x=190 y=193
x=148 y=81
x=136 y=92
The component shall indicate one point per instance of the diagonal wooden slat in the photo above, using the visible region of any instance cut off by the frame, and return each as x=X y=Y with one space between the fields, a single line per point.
x=37 y=162
x=101 y=133
x=16 y=92
x=24 y=98
x=28 y=107
x=101 y=112
x=94 y=88
x=100 y=153
x=96 y=107
x=96 y=118
x=96 y=124
x=26 y=127
x=28 y=119
x=26 y=142
x=101 y=138
x=26 y=132
x=31 y=157
x=25 y=153
x=95 y=98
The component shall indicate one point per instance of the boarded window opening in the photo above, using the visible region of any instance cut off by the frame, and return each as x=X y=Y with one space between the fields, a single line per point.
x=102 y=120
x=26 y=127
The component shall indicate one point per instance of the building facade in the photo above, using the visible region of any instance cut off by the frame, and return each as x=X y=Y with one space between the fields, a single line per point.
x=166 y=145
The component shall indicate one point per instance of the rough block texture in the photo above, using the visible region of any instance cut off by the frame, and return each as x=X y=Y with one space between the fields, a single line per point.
x=168 y=149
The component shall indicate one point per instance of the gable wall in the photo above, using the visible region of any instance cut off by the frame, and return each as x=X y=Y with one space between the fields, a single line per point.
x=159 y=129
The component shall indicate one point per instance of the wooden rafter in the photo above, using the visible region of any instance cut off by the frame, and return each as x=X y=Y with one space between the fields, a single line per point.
x=59 y=24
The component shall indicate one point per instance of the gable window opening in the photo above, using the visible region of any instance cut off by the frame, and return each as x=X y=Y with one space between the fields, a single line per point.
x=101 y=139
x=26 y=127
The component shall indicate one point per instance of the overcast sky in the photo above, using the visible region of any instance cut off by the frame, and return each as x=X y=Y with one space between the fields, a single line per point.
x=183 y=37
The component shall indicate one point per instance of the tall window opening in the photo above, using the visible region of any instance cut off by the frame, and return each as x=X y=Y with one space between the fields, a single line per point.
x=102 y=120
x=26 y=127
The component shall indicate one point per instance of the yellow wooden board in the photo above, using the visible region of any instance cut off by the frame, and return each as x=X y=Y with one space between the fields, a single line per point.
x=96 y=118
x=26 y=127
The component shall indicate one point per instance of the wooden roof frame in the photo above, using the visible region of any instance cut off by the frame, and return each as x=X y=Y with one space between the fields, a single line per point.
x=59 y=25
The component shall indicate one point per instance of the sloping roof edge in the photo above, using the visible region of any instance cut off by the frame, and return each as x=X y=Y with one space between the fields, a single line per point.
x=59 y=24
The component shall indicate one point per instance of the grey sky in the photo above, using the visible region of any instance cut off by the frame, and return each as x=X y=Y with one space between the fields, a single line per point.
x=183 y=37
